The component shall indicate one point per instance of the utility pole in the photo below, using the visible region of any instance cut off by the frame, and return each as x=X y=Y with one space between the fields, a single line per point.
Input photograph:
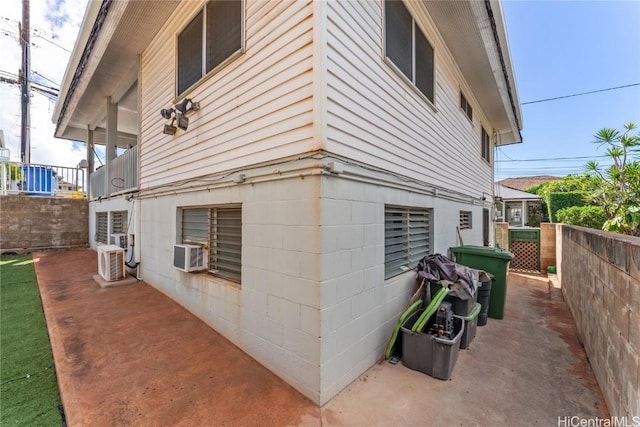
x=25 y=41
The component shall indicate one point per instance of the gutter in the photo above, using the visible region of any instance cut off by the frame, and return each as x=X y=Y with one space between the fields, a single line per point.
x=86 y=53
x=494 y=29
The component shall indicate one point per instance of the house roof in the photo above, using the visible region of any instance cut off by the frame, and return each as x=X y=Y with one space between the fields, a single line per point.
x=507 y=193
x=525 y=182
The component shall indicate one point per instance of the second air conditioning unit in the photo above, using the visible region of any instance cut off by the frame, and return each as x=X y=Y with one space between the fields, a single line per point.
x=189 y=258
x=119 y=240
x=111 y=263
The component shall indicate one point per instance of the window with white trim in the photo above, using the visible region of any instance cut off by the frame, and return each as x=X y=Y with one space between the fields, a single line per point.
x=219 y=230
x=407 y=238
x=465 y=220
x=486 y=146
x=408 y=48
x=212 y=36
x=102 y=227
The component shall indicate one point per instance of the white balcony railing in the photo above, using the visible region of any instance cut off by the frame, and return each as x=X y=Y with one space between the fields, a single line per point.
x=41 y=180
x=120 y=176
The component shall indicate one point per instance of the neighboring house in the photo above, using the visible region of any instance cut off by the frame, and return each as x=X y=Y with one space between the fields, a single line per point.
x=335 y=144
x=525 y=182
x=517 y=207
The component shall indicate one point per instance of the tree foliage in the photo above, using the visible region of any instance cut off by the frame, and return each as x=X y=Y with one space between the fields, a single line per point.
x=585 y=216
x=561 y=200
x=618 y=186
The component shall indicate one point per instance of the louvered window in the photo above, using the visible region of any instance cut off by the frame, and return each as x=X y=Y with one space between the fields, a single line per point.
x=220 y=230
x=465 y=220
x=119 y=223
x=408 y=48
x=102 y=227
x=211 y=37
x=407 y=238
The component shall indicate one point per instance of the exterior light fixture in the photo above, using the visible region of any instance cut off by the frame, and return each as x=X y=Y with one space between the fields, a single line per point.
x=166 y=113
x=187 y=105
x=170 y=129
x=182 y=121
x=178 y=116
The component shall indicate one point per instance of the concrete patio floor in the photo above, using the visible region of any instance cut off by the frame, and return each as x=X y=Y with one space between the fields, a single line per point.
x=130 y=356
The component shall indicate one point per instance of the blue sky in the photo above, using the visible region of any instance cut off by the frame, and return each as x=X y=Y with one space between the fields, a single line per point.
x=561 y=48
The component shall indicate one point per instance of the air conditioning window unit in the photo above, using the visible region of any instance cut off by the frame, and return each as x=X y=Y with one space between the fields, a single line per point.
x=111 y=263
x=189 y=258
x=118 y=239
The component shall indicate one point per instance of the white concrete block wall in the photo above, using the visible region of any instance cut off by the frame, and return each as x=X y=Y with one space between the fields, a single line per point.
x=360 y=307
x=114 y=204
x=274 y=315
x=313 y=305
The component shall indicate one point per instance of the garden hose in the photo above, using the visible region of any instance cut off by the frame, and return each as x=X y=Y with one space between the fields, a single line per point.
x=408 y=312
x=431 y=308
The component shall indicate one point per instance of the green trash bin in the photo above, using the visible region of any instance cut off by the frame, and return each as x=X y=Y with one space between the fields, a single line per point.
x=494 y=261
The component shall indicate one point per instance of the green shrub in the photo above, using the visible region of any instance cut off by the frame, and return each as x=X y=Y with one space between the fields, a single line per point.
x=557 y=201
x=585 y=216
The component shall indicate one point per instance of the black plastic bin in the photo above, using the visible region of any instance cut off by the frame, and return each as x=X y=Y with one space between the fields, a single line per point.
x=484 y=298
x=460 y=307
x=432 y=355
x=470 y=323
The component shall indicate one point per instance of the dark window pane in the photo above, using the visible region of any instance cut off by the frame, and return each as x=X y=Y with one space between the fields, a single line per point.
x=486 y=146
x=398 y=25
x=190 y=54
x=424 y=65
x=224 y=30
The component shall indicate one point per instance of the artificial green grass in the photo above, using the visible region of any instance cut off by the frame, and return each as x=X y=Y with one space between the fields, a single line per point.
x=28 y=388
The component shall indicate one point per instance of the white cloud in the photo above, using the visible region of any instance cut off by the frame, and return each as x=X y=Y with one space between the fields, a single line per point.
x=53 y=22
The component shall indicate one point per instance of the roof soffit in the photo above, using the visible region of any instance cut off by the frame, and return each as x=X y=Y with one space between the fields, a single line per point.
x=466 y=29
x=112 y=68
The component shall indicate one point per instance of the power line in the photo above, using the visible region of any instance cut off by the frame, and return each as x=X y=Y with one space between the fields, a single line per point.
x=552 y=159
x=50 y=41
x=46 y=78
x=579 y=94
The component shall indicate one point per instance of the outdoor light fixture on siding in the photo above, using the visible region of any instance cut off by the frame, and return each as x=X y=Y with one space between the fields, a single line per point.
x=166 y=113
x=187 y=105
x=183 y=121
x=179 y=116
x=170 y=129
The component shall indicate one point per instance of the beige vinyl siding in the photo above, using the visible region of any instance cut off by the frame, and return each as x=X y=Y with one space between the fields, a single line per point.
x=256 y=108
x=375 y=116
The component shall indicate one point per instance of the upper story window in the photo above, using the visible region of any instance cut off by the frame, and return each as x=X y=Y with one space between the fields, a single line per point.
x=486 y=146
x=212 y=36
x=408 y=48
x=466 y=107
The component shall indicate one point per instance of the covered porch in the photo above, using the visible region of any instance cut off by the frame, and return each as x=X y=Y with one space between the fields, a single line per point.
x=518 y=208
x=100 y=96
